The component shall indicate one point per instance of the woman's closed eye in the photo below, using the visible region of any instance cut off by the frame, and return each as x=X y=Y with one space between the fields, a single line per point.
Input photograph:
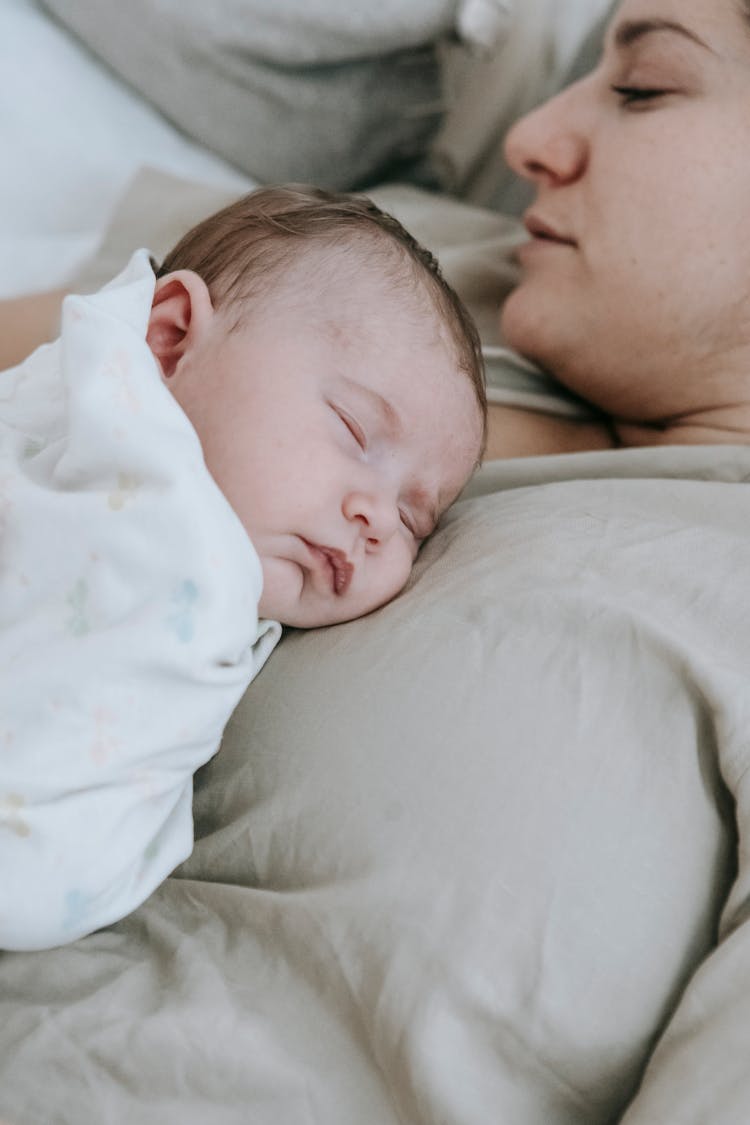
x=638 y=95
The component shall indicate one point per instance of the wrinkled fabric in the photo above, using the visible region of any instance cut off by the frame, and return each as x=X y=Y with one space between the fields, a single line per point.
x=128 y=622
x=469 y=859
x=456 y=861
x=332 y=93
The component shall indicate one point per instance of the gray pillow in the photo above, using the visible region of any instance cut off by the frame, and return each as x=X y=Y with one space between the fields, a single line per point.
x=341 y=95
x=588 y=53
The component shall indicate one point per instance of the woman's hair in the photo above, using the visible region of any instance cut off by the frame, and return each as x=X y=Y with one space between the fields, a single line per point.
x=241 y=249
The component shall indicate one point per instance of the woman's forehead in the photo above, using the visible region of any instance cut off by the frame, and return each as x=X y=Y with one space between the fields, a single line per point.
x=686 y=12
x=720 y=26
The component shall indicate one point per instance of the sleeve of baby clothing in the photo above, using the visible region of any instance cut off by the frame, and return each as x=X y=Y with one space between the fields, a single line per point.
x=128 y=622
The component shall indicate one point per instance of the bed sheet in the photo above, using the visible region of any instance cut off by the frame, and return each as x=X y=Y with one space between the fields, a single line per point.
x=428 y=898
x=72 y=137
x=75 y=138
x=78 y=134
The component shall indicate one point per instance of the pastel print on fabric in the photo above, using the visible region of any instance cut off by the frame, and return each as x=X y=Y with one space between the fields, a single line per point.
x=124 y=648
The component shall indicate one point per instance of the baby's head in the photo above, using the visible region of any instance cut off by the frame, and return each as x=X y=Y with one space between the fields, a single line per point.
x=335 y=382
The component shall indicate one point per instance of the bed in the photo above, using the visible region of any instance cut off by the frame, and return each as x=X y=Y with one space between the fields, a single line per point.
x=479 y=857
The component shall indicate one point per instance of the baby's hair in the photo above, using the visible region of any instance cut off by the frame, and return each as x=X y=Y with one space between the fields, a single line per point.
x=239 y=250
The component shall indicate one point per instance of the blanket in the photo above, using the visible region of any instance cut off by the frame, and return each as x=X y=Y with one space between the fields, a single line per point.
x=128 y=622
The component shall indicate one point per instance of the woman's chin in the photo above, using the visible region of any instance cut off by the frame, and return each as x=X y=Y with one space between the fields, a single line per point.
x=522 y=327
x=547 y=326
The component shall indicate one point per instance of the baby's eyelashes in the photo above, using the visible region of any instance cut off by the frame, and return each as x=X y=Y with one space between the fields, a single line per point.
x=408 y=522
x=353 y=427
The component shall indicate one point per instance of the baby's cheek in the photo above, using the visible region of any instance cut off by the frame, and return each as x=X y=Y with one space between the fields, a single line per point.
x=400 y=567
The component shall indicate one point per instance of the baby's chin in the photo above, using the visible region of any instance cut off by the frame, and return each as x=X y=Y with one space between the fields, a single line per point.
x=296 y=603
x=312 y=614
x=311 y=617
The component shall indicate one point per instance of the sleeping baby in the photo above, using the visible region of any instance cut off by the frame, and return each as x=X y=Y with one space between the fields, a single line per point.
x=261 y=435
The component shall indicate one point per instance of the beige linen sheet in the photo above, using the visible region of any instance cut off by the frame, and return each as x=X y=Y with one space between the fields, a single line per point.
x=464 y=861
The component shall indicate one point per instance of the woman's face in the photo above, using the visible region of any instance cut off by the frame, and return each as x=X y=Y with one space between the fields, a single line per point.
x=636 y=282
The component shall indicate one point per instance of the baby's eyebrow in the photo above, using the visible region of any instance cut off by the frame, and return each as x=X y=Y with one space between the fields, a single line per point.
x=630 y=32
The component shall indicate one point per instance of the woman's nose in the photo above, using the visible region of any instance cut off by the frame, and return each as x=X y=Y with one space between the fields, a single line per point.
x=376 y=514
x=548 y=145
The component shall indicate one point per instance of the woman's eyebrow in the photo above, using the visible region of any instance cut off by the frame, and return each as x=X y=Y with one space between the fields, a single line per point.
x=631 y=31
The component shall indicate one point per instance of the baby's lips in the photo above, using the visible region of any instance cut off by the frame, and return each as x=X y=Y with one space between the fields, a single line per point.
x=341 y=569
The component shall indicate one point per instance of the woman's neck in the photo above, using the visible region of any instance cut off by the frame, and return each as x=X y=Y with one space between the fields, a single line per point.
x=723 y=425
x=515 y=432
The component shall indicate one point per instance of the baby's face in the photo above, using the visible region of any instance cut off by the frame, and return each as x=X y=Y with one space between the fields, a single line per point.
x=339 y=428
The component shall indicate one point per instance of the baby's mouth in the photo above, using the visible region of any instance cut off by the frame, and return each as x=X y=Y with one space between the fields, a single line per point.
x=339 y=568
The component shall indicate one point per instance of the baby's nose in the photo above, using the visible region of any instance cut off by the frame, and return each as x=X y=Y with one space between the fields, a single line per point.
x=377 y=514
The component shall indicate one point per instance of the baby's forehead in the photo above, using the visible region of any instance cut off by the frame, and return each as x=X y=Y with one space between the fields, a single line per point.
x=384 y=309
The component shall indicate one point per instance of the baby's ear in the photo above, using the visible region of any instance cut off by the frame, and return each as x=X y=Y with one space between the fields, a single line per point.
x=180 y=312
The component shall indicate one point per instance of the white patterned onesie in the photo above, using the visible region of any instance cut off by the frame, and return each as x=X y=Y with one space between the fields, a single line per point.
x=128 y=622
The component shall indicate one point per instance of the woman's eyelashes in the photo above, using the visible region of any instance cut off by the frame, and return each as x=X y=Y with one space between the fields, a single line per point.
x=638 y=95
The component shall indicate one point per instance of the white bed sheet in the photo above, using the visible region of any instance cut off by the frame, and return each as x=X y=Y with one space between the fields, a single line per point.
x=72 y=137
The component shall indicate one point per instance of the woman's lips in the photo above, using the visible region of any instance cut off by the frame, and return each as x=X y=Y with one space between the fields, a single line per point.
x=545 y=239
x=539 y=228
x=335 y=565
